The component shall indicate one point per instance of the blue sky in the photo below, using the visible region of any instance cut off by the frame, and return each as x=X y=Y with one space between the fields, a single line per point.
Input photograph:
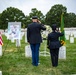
x=43 y=5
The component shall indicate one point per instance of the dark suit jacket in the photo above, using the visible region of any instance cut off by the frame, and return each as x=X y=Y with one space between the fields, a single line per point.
x=34 y=32
x=53 y=40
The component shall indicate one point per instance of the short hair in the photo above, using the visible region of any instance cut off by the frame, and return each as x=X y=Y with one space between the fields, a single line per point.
x=54 y=26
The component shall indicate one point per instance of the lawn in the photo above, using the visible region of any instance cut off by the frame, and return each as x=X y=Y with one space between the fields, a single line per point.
x=14 y=62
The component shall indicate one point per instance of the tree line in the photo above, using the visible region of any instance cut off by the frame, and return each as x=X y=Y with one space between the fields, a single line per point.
x=52 y=16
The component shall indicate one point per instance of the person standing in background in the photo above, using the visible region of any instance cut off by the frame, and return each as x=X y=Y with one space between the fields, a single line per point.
x=53 y=44
x=34 y=38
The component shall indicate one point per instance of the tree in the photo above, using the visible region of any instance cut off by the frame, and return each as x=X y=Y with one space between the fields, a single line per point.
x=35 y=12
x=11 y=14
x=70 y=20
x=54 y=14
x=0 y=21
x=27 y=21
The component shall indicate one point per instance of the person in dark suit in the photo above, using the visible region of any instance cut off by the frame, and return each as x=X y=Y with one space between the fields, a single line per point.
x=53 y=44
x=34 y=38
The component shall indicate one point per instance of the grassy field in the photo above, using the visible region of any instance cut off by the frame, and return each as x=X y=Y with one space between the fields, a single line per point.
x=14 y=62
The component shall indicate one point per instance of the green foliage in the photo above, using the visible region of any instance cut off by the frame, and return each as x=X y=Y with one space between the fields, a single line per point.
x=54 y=14
x=70 y=20
x=14 y=62
x=35 y=12
x=11 y=14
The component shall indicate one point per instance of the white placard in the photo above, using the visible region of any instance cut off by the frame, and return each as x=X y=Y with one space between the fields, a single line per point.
x=0 y=72
x=28 y=51
x=0 y=50
x=62 y=52
x=71 y=39
x=74 y=35
x=14 y=30
x=25 y=36
x=67 y=37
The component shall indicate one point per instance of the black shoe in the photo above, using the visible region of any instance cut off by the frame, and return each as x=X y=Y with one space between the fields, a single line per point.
x=34 y=64
x=54 y=65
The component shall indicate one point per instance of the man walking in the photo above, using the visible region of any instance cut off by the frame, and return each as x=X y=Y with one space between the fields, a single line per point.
x=34 y=38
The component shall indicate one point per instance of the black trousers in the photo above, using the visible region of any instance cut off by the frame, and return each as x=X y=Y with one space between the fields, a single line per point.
x=54 y=53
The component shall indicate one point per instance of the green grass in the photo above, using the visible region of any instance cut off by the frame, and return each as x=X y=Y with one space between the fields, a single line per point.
x=14 y=62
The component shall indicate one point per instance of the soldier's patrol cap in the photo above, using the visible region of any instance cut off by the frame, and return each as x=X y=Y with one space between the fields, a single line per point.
x=34 y=17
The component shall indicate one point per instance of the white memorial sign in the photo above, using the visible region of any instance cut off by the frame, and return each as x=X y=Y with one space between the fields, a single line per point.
x=28 y=51
x=25 y=35
x=0 y=72
x=62 y=52
x=0 y=50
x=14 y=29
x=14 y=32
x=67 y=36
x=71 y=39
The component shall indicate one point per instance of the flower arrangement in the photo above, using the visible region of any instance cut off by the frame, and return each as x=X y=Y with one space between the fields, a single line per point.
x=62 y=42
x=45 y=33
